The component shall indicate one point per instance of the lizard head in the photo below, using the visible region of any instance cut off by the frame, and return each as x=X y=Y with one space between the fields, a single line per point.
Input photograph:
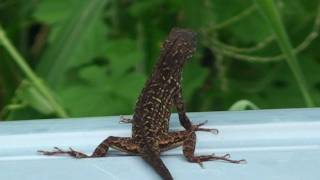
x=180 y=45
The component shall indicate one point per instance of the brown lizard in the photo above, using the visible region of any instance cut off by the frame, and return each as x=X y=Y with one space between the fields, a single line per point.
x=150 y=122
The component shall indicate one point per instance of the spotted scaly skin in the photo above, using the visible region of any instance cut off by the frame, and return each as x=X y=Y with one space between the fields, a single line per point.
x=150 y=122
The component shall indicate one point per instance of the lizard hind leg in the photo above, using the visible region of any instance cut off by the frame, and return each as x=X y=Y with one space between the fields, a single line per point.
x=124 y=144
x=188 y=141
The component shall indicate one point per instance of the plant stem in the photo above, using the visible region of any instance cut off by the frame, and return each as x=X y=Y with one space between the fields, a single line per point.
x=269 y=10
x=34 y=79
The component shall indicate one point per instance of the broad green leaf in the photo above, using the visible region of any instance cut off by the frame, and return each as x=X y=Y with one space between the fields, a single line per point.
x=53 y=11
x=8 y=78
x=75 y=43
x=29 y=95
x=193 y=78
x=14 y=17
x=93 y=75
x=243 y=105
x=102 y=94
x=122 y=55
x=197 y=14
x=268 y=9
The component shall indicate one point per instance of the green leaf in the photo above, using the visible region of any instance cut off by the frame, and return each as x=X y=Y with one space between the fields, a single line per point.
x=243 y=105
x=102 y=94
x=53 y=11
x=122 y=55
x=8 y=78
x=29 y=95
x=197 y=14
x=268 y=9
x=193 y=78
x=79 y=38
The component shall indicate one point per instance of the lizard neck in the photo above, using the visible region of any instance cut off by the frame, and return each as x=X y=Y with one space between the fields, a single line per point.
x=169 y=65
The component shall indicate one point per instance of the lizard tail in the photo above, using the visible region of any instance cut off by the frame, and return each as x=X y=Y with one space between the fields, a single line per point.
x=158 y=165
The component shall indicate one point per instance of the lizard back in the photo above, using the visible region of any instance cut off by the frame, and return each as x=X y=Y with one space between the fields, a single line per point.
x=153 y=107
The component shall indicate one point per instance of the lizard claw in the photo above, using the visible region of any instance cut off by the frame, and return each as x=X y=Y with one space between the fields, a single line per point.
x=213 y=157
x=125 y=120
x=58 y=150
x=43 y=152
x=197 y=128
x=201 y=164
x=214 y=131
x=71 y=152
x=226 y=156
x=76 y=154
x=242 y=161
x=203 y=123
x=49 y=153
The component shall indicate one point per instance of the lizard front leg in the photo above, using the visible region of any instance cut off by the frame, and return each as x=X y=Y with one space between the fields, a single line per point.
x=124 y=144
x=183 y=118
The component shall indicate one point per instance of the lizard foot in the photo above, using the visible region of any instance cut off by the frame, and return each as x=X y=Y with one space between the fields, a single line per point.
x=58 y=151
x=213 y=157
x=197 y=128
x=125 y=120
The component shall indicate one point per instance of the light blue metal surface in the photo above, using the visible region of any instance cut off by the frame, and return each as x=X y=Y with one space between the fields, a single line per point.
x=278 y=145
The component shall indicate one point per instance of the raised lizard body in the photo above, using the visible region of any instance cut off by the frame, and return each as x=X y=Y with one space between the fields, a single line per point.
x=150 y=123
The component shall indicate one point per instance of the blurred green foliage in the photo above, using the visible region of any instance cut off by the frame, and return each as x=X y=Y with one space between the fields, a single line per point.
x=96 y=55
